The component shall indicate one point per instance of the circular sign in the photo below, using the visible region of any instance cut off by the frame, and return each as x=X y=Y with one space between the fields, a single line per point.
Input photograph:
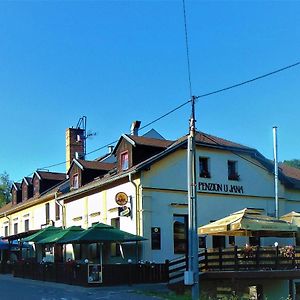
x=121 y=199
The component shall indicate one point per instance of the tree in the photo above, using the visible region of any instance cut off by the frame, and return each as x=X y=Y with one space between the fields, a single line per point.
x=292 y=163
x=5 y=185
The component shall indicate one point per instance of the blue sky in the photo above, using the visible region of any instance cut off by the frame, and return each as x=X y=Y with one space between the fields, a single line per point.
x=118 y=61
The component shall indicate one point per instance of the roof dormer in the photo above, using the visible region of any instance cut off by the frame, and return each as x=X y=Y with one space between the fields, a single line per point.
x=82 y=171
x=27 y=188
x=43 y=181
x=16 y=193
x=132 y=149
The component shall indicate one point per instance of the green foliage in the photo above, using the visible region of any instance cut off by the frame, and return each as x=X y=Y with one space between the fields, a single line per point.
x=292 y=163
x=5 y=185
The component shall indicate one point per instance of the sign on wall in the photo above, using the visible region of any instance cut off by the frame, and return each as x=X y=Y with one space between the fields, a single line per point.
x=220 y=188
x=121 y=198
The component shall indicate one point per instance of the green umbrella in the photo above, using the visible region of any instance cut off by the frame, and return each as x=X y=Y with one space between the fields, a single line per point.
x=70 y=232
x=42 y=234
x=101 y=233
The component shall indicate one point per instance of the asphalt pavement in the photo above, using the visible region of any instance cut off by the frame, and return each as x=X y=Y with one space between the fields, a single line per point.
x=12 y=288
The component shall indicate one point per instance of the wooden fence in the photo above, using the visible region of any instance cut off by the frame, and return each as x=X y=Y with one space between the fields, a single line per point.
x=77 y=274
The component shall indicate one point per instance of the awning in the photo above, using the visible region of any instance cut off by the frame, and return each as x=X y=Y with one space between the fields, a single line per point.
x=55 y=237
x=101 y=233
x=249 y=222
x=41 y=234
x=293 y=217
x=20 y=235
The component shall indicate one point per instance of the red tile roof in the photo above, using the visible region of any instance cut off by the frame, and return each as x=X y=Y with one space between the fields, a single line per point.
x=290 y=171
x=52 y=175
x=141 y=140
x=208 y=139
x=96 y=165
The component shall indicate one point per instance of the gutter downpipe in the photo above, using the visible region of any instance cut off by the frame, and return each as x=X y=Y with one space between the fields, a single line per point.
x=62 y=211
x=137 y=213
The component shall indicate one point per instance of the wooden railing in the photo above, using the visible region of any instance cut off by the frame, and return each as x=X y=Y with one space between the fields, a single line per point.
x=240 y=259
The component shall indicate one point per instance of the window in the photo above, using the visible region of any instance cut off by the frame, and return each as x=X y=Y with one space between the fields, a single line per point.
x=254 y=241
x=232 y=170
x=218 y=241
x=115 y=248
x=231 y=241
x=155 y=238
x=36 y=187
x=75 y=183
x=124 y=161
x=202 y=242
x=6 y=230
x=26 y=225
x=47 y=211
x=15 y=228
x=57 y=212
x=180 y=234
x=203 y=165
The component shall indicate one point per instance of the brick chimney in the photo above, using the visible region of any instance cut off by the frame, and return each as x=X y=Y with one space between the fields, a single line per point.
x=75 y=145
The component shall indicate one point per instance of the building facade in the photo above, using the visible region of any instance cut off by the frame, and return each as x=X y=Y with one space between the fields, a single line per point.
x=141 y=187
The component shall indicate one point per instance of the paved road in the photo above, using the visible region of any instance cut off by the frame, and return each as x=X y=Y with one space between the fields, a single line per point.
x=24 y=289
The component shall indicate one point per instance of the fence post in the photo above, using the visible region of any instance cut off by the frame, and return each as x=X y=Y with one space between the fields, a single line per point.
x=220 y=258
x=236 y=260
x=257 y=257
x=166 y=271
x=276 y=257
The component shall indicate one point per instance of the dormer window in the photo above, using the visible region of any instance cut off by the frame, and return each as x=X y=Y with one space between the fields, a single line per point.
x=204 y=167
x=75 y=183
x=124 y=161
x=232 y=170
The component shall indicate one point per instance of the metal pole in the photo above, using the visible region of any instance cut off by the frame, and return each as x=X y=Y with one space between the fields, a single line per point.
x=275 y=171
x=191 y=276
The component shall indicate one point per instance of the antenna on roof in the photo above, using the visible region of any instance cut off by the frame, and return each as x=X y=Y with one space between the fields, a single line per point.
x=81 y=124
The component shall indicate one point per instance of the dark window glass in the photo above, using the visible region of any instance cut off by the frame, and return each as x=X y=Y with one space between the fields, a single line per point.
x=232 y=170
x=180 y=234
x=155 y=238
x=15 y=228
x=26 y=225
x=231 y=240
x=6 y=231
x=202 y=242
x=47 y=210
x=254 y=241
x=218 y=241
x=57 y=212
x=203 y=165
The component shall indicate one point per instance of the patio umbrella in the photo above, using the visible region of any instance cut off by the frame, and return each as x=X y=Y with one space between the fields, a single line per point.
x=56 y=236
x=292 y=217
x=249 y=222
x=4 y=245
x=101 y=233
x=41 y=234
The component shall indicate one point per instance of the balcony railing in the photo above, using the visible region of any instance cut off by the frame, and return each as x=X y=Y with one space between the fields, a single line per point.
x=252 y=258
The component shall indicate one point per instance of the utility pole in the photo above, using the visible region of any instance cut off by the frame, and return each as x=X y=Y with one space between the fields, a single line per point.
x=191 y=276
x=275 y=171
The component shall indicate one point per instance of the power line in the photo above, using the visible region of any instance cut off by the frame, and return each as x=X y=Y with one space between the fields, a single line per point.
x=187 y=48
x=248 y=81
x=183 y=104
